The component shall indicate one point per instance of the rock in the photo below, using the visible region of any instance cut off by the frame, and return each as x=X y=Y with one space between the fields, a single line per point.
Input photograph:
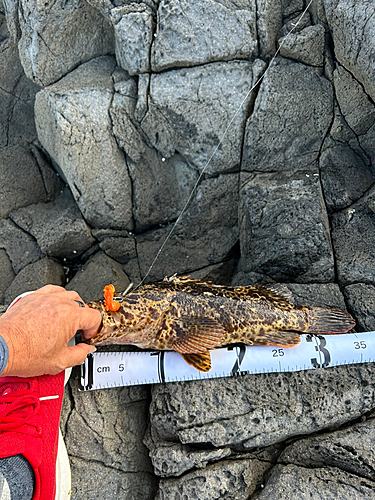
x=206 y=234
x=76 y=30
x=119 y=248
x=104 y=435
x=260 y=410
x=134 y=31
x=175 y=459
x=355 y=262
x=74 y=126
x=58 y=227
x=21 y=182
x=293 y=483
x=269 y=21
x=193 y=33
x=7 y=274
x=353 y=31
x=33 y=276
x=307 y=46
x=20 y=247
x=285 y=212
x=17 y=94
x=349 y=449
x=232 y=480
x=278 y=135
x=345 y=176
x=99 y=270
x=321 y=295
x=190 y=109
x=361 y=304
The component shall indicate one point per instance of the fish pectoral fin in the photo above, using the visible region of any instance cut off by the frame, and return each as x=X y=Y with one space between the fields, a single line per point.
x=278 y=338
x=196 y=334
x=201 y=361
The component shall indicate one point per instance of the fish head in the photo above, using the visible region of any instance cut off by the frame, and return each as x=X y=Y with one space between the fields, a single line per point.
x=133 y=323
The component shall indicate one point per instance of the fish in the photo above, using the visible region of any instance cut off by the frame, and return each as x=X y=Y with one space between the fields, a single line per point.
x=193 y=317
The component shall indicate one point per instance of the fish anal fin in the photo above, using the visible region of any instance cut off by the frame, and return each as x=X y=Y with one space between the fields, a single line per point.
x=201 y=361
x=196 y=334
x=277 y=338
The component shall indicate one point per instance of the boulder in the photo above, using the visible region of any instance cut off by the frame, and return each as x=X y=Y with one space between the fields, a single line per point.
x=47 y=30
x=352 y=25
x=99 y=271
x=20 y=247
x=361 y=304
x=190 y=109
x=194 y=33
x=35 y=275
x=58 y=226
x=293 y=483
x=307 y=46
x=74 y=126
x=278 y=135
x=284 y=229
x=7 y=273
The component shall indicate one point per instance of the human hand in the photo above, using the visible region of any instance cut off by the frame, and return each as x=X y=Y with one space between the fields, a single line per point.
x=38 y=328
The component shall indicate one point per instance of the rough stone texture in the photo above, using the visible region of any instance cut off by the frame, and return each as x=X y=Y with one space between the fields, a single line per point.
x=286 y=213
x=17 y=93
x=19 y=246
x=355 y=263
x=352 y=24
x=74 y=127
x=186 y=112
x=193 y=33
x=232 y=480
x=361 y=303
x=306 y=46
x=98 y=271
x=293 y=483
x=48 y=30
x=189 y=248
x=111 y=457
x=350 y=450
x=278 y=136
x=7 y=273
x=58 y=227
x=34 y=276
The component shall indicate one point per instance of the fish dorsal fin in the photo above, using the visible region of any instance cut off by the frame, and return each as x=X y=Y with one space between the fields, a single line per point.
x=196 y=334
x=281 y=290
x=201 y=361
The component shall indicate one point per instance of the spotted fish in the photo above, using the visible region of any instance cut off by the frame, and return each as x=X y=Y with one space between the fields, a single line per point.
x=191 y=317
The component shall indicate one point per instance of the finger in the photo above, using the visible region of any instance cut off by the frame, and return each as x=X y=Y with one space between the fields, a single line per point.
x=89 y=322
x=76 y=354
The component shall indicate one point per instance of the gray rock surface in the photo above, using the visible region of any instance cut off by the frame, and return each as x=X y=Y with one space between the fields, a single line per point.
x=193 y=33
x=293 y=483
x=74 y=127
x=7 y=273
x=186 y=112
x=232 y=480
x=98 y=271
x=285 y=212
x=350 y=450
x=361 y=303
x=74 y=29
x=306 y=46
x=355 y=263
x=58 y=227
x=20 y=247
x=278 y=136
x=35 y=275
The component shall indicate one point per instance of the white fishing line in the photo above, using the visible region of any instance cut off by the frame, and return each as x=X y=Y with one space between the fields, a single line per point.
x=183 y=210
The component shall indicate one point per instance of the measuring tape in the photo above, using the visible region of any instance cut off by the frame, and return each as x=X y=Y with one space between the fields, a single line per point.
x=103 y=370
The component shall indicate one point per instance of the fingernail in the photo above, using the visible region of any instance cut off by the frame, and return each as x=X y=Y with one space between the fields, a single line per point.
x=92 y=349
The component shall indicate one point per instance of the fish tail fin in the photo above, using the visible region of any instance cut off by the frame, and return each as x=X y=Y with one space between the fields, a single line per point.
x=327 y=320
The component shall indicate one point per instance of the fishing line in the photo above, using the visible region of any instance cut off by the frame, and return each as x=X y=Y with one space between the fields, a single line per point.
x=183 y=210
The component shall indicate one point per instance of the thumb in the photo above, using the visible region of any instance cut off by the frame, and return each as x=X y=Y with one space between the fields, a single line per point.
x=76 y=354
